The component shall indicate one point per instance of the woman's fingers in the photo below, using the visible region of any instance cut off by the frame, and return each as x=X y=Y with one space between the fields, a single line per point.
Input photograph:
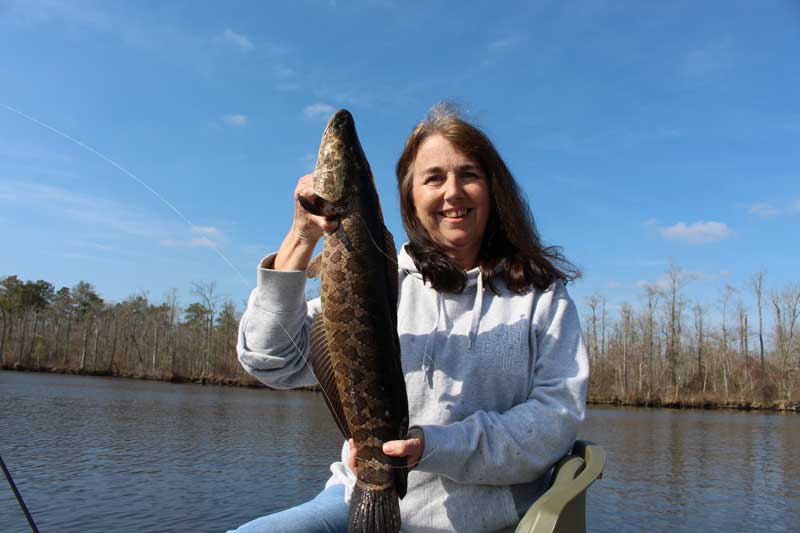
x=308 y=223
x=351 y=461
x=411 y=447
x=328 y=226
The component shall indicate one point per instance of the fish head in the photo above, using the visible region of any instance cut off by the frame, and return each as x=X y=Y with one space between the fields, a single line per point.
x=342 y=168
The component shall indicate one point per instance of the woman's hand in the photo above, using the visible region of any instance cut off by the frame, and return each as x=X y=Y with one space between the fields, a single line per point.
x=412 y=448
x=307 y=228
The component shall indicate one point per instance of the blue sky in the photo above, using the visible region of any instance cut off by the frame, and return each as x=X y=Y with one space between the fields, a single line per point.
x=643 y=133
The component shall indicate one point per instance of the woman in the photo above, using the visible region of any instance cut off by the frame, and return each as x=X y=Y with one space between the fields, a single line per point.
x=491 y=348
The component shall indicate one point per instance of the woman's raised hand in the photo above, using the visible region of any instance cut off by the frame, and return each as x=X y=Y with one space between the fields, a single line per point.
x=307 y=226
x=307 y=229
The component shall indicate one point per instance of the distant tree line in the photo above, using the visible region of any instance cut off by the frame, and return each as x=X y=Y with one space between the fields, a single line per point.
x=73 y=330
x=665 y=352
x=668 y=352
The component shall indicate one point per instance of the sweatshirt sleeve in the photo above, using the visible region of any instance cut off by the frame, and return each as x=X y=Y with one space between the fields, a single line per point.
x=273 y=332
x=521 y=444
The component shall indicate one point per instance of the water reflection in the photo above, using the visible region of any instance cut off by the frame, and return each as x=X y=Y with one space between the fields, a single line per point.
x=695 y=470
x=94 y=454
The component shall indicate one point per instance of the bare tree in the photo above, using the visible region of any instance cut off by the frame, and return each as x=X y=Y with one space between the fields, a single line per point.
x=786 y=308
x=626 y=337
x=676 y=278
x=758 y=287
x=603 y=328
x=206 y=291
x=171 y=301
x=791 y=298
x=652 y=302
x=725 y=300
x=780 y=333
x=593 y=301
x=699 y=336
x=744 y=342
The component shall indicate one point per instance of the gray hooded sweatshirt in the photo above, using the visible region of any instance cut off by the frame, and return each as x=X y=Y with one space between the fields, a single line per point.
x=496 y=382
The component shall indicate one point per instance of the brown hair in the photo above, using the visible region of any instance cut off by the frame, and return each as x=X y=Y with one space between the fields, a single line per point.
x=511 y=247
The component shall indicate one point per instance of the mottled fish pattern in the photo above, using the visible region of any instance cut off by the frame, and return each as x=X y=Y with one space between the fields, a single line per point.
x=354 y=349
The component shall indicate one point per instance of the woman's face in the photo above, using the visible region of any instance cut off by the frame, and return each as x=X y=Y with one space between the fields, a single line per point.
x=451 y=199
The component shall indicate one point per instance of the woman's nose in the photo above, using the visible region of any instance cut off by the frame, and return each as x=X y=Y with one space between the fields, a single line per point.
x=452 y=188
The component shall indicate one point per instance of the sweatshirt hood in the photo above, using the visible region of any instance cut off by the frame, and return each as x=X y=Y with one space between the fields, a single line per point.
x=406 y=267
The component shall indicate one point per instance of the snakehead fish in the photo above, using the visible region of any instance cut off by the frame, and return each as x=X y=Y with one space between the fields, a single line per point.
x=354 y=350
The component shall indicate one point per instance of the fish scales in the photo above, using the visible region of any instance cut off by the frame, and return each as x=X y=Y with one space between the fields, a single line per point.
x=355 y=351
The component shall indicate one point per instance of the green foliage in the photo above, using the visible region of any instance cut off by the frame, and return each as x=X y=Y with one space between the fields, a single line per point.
x=85 y=300
x=62 y=302
x=196 y=315
x=17 y=296
x=227 y=319
x=10 y=290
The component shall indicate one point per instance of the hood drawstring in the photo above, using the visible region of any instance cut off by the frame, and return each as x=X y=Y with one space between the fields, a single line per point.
x=406 y=267
x=476 y=312
x=430 y=342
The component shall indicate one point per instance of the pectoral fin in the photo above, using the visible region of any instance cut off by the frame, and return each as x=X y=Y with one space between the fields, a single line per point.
x=314 y=268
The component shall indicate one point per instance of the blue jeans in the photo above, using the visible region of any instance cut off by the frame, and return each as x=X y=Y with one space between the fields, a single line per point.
x=327 y=513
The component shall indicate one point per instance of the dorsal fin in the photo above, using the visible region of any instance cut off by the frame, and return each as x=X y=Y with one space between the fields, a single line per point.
x=320 y=359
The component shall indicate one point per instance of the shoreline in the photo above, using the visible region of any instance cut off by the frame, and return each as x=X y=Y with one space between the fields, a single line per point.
x=705 y=404
x=701 y=404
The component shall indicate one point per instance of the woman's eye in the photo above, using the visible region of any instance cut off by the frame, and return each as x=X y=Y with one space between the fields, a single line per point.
x=433 y=179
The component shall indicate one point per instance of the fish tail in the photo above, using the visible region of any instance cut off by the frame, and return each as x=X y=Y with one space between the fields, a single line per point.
x=374 y=511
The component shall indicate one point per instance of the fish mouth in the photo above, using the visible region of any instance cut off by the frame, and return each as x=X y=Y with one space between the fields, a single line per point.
x=341 y=125
x=341 y=163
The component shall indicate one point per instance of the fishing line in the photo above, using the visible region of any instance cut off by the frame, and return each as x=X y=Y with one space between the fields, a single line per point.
x=155 y=193
x=19 y=496
x=377 y=247
x=341 y=424
x=135 y=178
x=393 y=260
x=308 y=364
x=183 y=217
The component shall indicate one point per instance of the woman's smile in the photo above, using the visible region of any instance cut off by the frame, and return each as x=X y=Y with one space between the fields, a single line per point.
x=455 y=214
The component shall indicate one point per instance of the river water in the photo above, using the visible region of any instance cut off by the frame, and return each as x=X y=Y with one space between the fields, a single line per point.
x=98 y=454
